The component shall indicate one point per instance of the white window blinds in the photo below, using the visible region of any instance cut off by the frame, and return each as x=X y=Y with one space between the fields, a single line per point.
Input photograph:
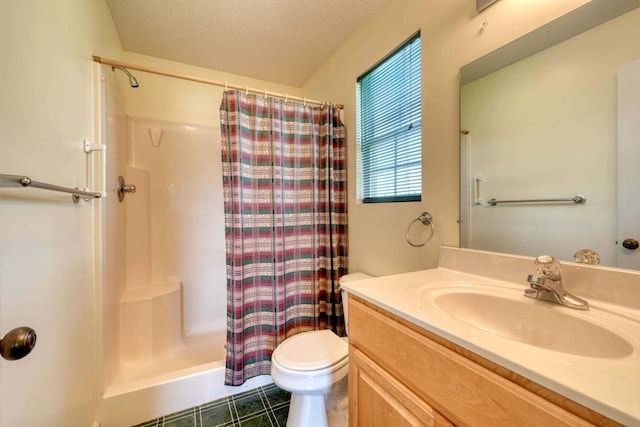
x=389 y=133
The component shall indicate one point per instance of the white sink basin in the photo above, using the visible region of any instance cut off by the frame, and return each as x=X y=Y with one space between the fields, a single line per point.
x=508 y=314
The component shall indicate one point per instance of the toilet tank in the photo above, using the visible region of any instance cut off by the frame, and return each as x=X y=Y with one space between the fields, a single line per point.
x=345 y=300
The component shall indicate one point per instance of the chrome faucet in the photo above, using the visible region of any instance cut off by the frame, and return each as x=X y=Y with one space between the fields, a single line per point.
x=546 y=284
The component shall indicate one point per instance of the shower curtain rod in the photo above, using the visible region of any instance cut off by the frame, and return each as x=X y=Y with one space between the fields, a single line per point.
x=226 y=85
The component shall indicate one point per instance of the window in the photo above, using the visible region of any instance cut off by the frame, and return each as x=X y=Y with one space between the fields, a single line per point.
x=389 y=136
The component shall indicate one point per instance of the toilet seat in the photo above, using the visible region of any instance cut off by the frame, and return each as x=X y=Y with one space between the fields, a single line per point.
x=311 y=351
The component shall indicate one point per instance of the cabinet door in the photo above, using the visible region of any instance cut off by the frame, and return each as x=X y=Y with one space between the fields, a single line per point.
x=378 y=400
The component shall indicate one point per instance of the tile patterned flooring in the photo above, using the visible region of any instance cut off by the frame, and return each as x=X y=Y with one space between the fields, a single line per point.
x=266 y=406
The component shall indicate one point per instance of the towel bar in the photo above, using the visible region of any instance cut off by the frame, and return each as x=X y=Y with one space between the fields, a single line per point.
x=25 y=181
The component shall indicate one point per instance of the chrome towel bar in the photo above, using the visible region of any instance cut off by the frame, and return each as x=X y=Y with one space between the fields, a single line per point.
x=25 y=181
x=578 y=200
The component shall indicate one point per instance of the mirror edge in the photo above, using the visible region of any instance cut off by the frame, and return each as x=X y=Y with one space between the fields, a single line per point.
x=577 y=21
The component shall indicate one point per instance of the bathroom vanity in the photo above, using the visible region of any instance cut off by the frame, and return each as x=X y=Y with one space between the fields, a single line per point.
x=461 y=345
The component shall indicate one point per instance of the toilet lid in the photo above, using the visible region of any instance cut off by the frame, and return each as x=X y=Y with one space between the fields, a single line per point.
x=310 y=351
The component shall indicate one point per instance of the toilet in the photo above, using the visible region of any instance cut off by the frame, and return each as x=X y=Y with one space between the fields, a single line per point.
x=313 y=367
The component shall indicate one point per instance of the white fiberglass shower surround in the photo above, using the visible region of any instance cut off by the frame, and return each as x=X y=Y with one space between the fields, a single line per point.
x=161 y=265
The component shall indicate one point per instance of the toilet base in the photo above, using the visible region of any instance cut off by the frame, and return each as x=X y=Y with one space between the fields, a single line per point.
x=307 y=410
x=337 y=403
x=321 y=410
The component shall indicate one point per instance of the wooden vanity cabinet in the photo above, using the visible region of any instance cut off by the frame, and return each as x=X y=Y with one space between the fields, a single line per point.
x=403 y=375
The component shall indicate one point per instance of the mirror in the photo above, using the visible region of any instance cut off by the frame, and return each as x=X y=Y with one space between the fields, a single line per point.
x=539 y=120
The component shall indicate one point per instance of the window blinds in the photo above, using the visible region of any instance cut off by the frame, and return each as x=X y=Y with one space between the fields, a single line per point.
x=389 y=133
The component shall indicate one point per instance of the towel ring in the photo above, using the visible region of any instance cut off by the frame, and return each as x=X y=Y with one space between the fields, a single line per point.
x=426 y=219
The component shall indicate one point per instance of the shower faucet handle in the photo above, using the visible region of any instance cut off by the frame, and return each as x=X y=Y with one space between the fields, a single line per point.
x=124 y=188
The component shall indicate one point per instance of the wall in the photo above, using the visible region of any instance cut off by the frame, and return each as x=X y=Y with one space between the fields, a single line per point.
x=452 y=37
x=46 y=242
x=546 y=127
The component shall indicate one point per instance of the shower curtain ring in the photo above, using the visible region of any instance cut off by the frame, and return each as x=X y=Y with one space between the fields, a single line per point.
x=246 y=89
x=226 y=87
x=286 y=97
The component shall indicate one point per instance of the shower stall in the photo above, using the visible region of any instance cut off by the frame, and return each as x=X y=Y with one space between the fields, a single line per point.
x=161 y=264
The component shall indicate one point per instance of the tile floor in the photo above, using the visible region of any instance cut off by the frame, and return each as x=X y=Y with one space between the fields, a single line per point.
x=266 y=406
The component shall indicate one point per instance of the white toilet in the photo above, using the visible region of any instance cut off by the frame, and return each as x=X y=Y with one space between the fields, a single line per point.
x=311 y=366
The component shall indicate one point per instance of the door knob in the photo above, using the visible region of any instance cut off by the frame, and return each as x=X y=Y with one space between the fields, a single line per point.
x=632 y=244
x=17 y=343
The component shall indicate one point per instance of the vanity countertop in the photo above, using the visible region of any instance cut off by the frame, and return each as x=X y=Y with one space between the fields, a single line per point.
x=608 y=385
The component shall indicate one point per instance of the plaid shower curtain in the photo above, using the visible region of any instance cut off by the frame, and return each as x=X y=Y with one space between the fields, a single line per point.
x=284 y=182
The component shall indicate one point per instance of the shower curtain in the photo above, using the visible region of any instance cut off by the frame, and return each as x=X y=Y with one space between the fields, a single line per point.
x=284 y=182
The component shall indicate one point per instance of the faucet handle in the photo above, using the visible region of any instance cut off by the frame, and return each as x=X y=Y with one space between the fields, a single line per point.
x=587 y=256
x=548 y=266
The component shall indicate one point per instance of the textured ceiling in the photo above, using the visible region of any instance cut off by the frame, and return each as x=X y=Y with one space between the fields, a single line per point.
x=282 y=41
